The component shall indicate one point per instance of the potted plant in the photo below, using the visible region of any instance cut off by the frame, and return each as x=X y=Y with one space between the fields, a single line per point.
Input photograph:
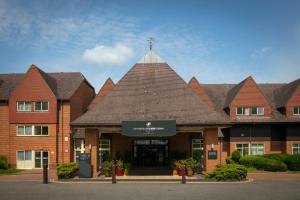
x=107 y=167
x=179 y=166
x=189 y=171
x=120 y=167
x=127 y=168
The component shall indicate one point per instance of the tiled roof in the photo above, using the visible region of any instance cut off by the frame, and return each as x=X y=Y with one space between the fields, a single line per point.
x=151 y=92
x=62 y=84
x=284 y=93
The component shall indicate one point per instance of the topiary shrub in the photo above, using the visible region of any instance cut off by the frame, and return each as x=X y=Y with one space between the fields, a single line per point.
x=236 y=156
x=3 y=162
x=276 y=156
x=228 y=172
x=293 y=162
x=67 y=170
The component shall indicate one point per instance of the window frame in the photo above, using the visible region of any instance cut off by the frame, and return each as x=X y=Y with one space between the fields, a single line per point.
x=298 y=110
x=32 y=130
x=24 y=104
x=247 y=111
x=41 y=106
x=297 y=148
x=257 y=148
x=243 y=144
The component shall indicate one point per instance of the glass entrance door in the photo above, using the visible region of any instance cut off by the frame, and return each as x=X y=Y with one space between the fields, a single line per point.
x=150 y=152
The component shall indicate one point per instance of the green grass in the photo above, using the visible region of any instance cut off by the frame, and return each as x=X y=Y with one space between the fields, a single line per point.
x=252 y=170
x=9 y=171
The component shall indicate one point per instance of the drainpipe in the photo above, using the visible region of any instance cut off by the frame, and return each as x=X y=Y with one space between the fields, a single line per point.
x=62 y=131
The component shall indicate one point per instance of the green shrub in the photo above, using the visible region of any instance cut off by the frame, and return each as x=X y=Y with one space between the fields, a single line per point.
x=277 y=156
x=228 y=172
x=229 y=160
x=107 y=167
x=3 y=162
x=275 y=166
x=236 y=156
x=193 y=164
x=262 y=163
x=293 y=162
x=67 y=170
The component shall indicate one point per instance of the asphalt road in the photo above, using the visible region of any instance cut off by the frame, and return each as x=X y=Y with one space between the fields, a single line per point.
x=265 y=190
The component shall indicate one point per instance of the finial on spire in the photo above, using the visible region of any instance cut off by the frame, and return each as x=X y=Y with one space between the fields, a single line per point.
x=150 y=40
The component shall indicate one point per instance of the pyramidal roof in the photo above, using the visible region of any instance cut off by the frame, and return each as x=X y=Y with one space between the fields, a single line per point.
x=151 y=57
x=151 y=92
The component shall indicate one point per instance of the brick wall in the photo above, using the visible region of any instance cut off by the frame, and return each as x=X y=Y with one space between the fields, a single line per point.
x=294 y=101
x=46 y=143
x=4 y=129
x=248 y=96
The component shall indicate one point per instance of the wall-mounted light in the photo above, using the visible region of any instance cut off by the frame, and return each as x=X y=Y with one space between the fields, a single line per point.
x=212 y=146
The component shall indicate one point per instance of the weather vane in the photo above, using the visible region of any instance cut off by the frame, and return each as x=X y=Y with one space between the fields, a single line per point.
x=150 y=40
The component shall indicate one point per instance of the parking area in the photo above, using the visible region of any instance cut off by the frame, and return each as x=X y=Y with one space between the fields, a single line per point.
x=224 y=191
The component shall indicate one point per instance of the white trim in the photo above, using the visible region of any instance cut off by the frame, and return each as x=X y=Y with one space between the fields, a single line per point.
x=32 y=130
x=298 y=108
x=24 y=103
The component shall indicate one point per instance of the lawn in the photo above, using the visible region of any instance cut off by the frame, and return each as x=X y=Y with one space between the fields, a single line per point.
x=9 y=171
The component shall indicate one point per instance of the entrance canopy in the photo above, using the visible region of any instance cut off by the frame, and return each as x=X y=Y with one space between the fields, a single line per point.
x=157 y=128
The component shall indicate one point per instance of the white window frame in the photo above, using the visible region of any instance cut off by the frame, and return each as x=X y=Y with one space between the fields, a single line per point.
x=242 y=152
x=256 y=147
x=41 y=110
x=24 y=103
x=296 y=146
x=42 y=159
x=298 y=108
x=32 y=130
x=247 y=111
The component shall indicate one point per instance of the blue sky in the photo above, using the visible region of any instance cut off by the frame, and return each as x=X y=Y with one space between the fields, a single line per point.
x=215 y=41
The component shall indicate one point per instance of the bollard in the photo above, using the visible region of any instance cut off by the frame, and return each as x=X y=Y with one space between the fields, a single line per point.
x=183 y=180
x=113 y=175
x=45 y=173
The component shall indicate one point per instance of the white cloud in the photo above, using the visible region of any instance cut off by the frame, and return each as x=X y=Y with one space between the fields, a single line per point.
x=261 y=52
x=108 y=55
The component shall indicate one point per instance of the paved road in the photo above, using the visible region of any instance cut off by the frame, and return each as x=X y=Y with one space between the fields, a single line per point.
x=143 y=191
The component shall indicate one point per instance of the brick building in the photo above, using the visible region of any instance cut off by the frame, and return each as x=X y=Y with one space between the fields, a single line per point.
x=35 y=113
x=149 y=117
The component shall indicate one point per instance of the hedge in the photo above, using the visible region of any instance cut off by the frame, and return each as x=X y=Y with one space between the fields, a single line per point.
x=67 y=170
x=277 y=156
x=293 y=162
x=228 y=172
x=3 y=162
x=260 y=162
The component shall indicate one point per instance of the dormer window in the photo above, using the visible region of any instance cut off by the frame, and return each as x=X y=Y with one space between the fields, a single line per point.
x=41 y=106
x=250 y=111
x=23 y=106
x=296 y=110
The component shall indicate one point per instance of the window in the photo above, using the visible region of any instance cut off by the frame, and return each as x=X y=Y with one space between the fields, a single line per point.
x=41 y=130
x=23 y=106
x=78 y=148
x=24 y=155
x=257 y=149
x=250 y=110
x=23 y=130
x=41 y=106
x=104 y=150
x=243 y=149
x=197 y=149
x=296 y=110
x=296 y=149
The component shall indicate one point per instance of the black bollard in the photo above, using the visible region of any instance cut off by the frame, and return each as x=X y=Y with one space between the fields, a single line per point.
x=183 y=180
x=45 y=173
x=113 y=175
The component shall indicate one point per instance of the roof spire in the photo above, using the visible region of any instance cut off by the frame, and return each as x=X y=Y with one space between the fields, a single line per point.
x=150 y=40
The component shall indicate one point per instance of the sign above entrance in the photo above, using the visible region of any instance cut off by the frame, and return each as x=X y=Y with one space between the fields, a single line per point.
x=159 y=128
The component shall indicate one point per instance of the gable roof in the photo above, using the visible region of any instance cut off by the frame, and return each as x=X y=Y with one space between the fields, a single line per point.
x=233 y=92
x=285 y=93
x=107 y=87
x=199 y=90
x=63 y=84
x=151 y=92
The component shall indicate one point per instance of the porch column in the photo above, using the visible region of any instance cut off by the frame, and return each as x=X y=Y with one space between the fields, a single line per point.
x=92 y=146
x=211 y=142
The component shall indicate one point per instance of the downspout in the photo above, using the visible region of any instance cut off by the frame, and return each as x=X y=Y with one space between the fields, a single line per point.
x=62 y=131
